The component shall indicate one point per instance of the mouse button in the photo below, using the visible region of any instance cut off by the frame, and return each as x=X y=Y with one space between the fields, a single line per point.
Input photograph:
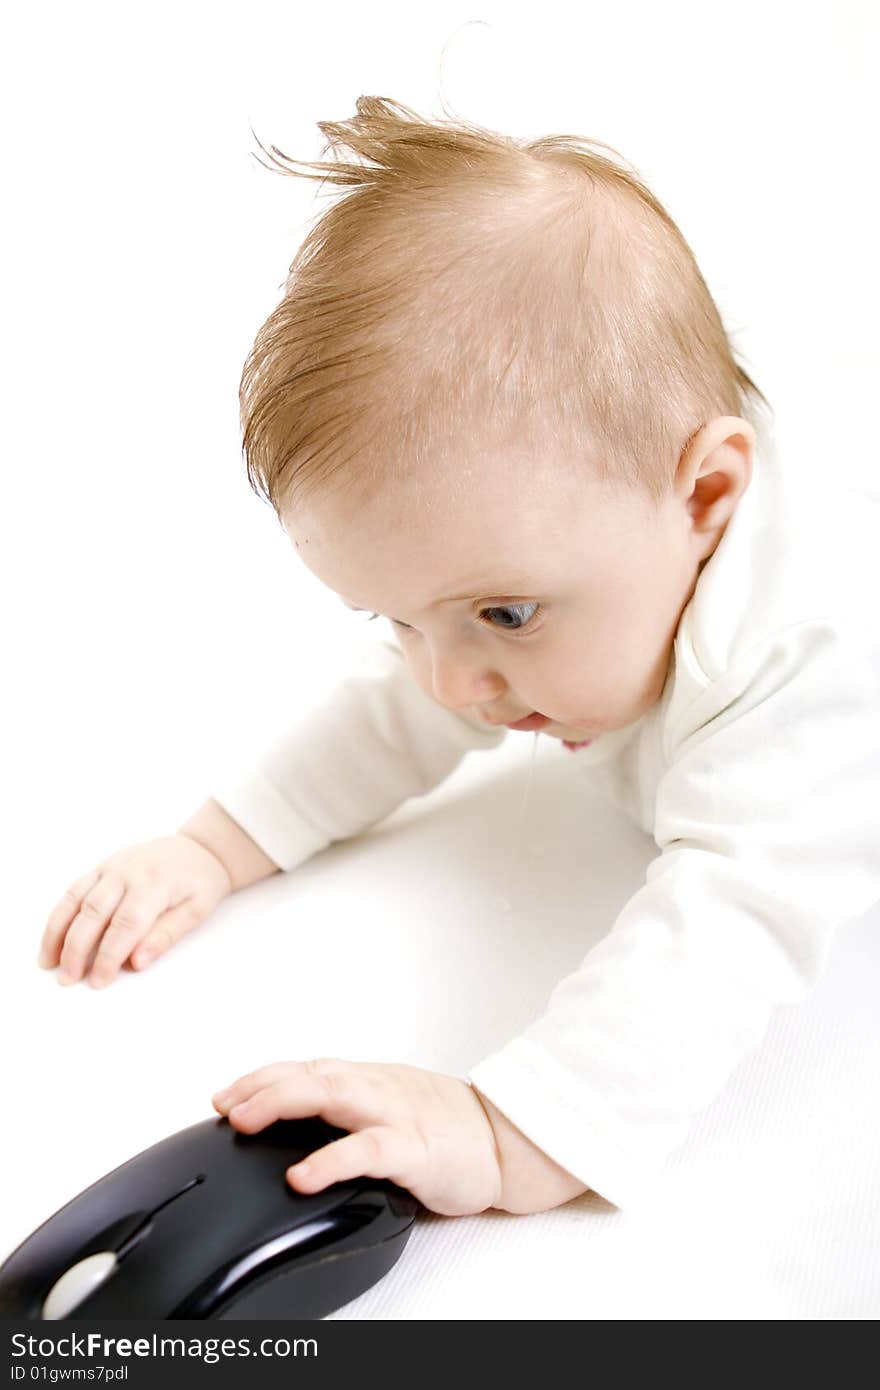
x=158 y=1264
x=77 y=1282
x=74 y=1233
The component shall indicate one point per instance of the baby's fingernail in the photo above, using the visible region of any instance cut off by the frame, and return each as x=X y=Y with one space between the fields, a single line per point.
x=221 y=1097
x=64 y=979
x=143 y=958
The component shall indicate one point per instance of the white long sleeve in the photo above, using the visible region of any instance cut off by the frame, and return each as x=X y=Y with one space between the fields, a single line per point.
x=374 y=740
x=768 y=822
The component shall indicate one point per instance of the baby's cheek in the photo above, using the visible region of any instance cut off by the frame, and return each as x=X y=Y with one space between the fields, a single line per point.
x=418 y=669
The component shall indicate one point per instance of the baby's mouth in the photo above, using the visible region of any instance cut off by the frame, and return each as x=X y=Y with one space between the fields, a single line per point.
x=535 y=720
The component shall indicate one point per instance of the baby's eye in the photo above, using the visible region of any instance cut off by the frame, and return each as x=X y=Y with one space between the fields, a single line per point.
x=514 y=626
x=518 y=625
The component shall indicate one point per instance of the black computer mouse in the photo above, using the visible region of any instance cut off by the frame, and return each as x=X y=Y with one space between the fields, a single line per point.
x=205 y=1225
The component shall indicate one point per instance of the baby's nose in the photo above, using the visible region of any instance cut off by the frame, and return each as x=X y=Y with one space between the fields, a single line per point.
x=459 y=685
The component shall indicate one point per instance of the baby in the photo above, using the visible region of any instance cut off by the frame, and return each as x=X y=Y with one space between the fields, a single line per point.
x=496 y=406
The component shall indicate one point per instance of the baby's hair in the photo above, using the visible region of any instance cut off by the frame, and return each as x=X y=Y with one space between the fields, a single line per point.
x=477 y=290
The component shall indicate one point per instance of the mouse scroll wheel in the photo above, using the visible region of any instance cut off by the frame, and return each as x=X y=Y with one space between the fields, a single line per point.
x=77 y=1283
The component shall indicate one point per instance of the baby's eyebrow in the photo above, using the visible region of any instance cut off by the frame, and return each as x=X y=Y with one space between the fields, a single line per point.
x=459 y=598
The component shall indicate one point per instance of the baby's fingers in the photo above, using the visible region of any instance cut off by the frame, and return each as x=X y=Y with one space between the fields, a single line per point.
x=285 y=1100
x=169 y=928
x=61 y=917
x=134 y=919
x=120 y=913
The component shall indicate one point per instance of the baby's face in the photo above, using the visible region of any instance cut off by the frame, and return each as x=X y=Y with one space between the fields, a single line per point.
x=524 y=590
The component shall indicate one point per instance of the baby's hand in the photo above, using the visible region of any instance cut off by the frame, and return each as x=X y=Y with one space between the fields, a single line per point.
x=135 y=904
x=425 y=1131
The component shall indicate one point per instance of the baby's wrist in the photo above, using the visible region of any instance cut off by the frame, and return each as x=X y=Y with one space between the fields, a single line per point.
x=241 y=857
x=530 y=1180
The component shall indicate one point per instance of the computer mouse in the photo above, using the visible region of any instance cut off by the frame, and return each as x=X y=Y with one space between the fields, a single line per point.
x=205 y=1225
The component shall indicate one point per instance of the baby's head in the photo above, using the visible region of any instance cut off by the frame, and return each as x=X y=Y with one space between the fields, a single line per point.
x=497 y=405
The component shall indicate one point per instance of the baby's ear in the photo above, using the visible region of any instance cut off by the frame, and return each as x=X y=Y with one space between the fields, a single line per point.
x=715 y=472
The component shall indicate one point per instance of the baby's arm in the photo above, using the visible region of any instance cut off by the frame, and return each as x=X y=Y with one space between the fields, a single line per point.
x=241 y=856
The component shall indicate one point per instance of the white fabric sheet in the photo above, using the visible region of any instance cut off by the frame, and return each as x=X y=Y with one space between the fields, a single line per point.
x=417 y=943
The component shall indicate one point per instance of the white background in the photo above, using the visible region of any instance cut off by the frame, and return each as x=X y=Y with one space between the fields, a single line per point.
x=157 y=625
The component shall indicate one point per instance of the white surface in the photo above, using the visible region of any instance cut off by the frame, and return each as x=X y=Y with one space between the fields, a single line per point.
x=426 y=941
x=155 y=625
